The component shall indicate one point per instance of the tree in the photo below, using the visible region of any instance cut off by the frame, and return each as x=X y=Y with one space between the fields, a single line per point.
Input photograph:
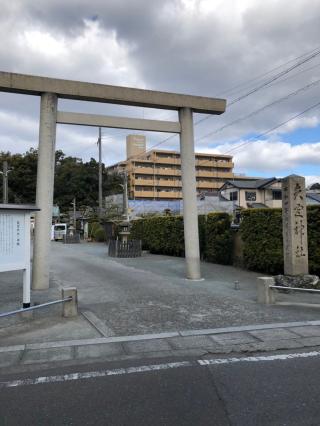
x=22 y=178
x=73 y=179
x=315 y=186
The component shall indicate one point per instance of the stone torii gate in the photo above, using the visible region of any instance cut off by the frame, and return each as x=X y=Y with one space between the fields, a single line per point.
x=50 y=89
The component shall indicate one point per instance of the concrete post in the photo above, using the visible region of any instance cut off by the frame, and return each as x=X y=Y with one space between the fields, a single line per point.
x=26 y=299
x=265 y=293
x=294 y=225
x=190 y=213
x=44 y=197
x=5 y=182
x=70 y=309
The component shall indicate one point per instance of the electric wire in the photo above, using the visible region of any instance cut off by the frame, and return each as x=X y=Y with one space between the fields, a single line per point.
x=310 y=55
x=248 y=82
x=272 y=129
x=257 y=111
x=266 y=83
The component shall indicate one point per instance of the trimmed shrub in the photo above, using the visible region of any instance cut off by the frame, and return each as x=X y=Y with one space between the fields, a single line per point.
x=261 y=231
x=99 y=235
x=165 y=235
x=202 y=235
x=138 y=233
x=218 y=239
x=314 y=238
x=160 y=234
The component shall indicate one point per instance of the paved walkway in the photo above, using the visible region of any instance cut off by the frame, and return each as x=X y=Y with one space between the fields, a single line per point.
x=201 y=343
x=141 y=297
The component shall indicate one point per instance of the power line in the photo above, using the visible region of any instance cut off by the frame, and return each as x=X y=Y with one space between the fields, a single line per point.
x=272 y=129
x=276 y=77
x=312 y=54
x=253 y=113
x=267 y=82
x=248 y=82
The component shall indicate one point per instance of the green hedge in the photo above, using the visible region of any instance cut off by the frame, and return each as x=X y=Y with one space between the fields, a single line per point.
x=261 y=231
x=160 y=234
x=218 y=238
x=164 y=235
x=314 y=239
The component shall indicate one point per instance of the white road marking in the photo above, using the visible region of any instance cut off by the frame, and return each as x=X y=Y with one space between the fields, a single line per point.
x=153 y=367
x=94 y=374
x=281 y=357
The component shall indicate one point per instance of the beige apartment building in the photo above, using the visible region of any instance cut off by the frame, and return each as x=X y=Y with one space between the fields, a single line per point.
x=156 y=175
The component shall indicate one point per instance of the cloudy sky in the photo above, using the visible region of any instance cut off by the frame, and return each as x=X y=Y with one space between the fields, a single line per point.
x=262 y=56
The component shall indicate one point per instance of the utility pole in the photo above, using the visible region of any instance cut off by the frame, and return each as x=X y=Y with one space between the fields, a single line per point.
x=100 y=173
x=5 y=173
x=74 y=213
x=125 y=196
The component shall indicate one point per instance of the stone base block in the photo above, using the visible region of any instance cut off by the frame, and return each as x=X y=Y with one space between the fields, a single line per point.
x=265 y=294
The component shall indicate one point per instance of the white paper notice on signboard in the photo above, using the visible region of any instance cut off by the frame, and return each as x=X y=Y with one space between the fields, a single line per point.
x=12 y=241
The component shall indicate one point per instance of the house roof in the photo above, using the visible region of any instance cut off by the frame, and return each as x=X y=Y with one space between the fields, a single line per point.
x=257 y=206
x=314 y=196
x=250 y=184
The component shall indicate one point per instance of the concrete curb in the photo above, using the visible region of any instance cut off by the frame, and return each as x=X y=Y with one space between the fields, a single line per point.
x=249 y=338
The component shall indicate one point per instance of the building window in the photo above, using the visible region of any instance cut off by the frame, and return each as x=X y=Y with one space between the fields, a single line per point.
x=234 y=196
x=251 y=196
x=276 y=194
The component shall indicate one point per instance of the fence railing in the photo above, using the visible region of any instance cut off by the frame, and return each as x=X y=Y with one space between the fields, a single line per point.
x=309 y=290
x=69 y=301
x=32 y=308
x=132 y=248
x=267 y=290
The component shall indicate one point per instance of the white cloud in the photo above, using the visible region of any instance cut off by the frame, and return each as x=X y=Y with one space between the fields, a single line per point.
x=201 y=47
x=312 y=179
x=271 y=156
x=299 y=123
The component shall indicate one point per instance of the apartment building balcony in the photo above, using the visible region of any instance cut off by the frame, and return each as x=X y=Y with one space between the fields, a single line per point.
x=209 y=185
x=142 y=182
x=169 y=182
x=215 y=163
x=143 y=194
x=168 y=194
x=167 y=160
x=167 y=172
x=143 y=170
x=217 y=174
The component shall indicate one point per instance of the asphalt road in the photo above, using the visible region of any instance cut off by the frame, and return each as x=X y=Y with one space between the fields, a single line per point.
x=258 y=391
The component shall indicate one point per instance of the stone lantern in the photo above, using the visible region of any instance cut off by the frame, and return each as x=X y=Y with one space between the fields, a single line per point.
x=124 y=231
x=71 y=231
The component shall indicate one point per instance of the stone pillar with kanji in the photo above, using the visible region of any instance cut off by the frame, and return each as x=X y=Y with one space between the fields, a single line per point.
x=294 y=223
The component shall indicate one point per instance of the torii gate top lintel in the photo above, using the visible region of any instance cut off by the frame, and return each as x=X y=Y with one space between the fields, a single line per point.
x=78 y=90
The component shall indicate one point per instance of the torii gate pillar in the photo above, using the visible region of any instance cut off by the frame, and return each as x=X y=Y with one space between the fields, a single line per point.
x=189 y=192
x=44 y=195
